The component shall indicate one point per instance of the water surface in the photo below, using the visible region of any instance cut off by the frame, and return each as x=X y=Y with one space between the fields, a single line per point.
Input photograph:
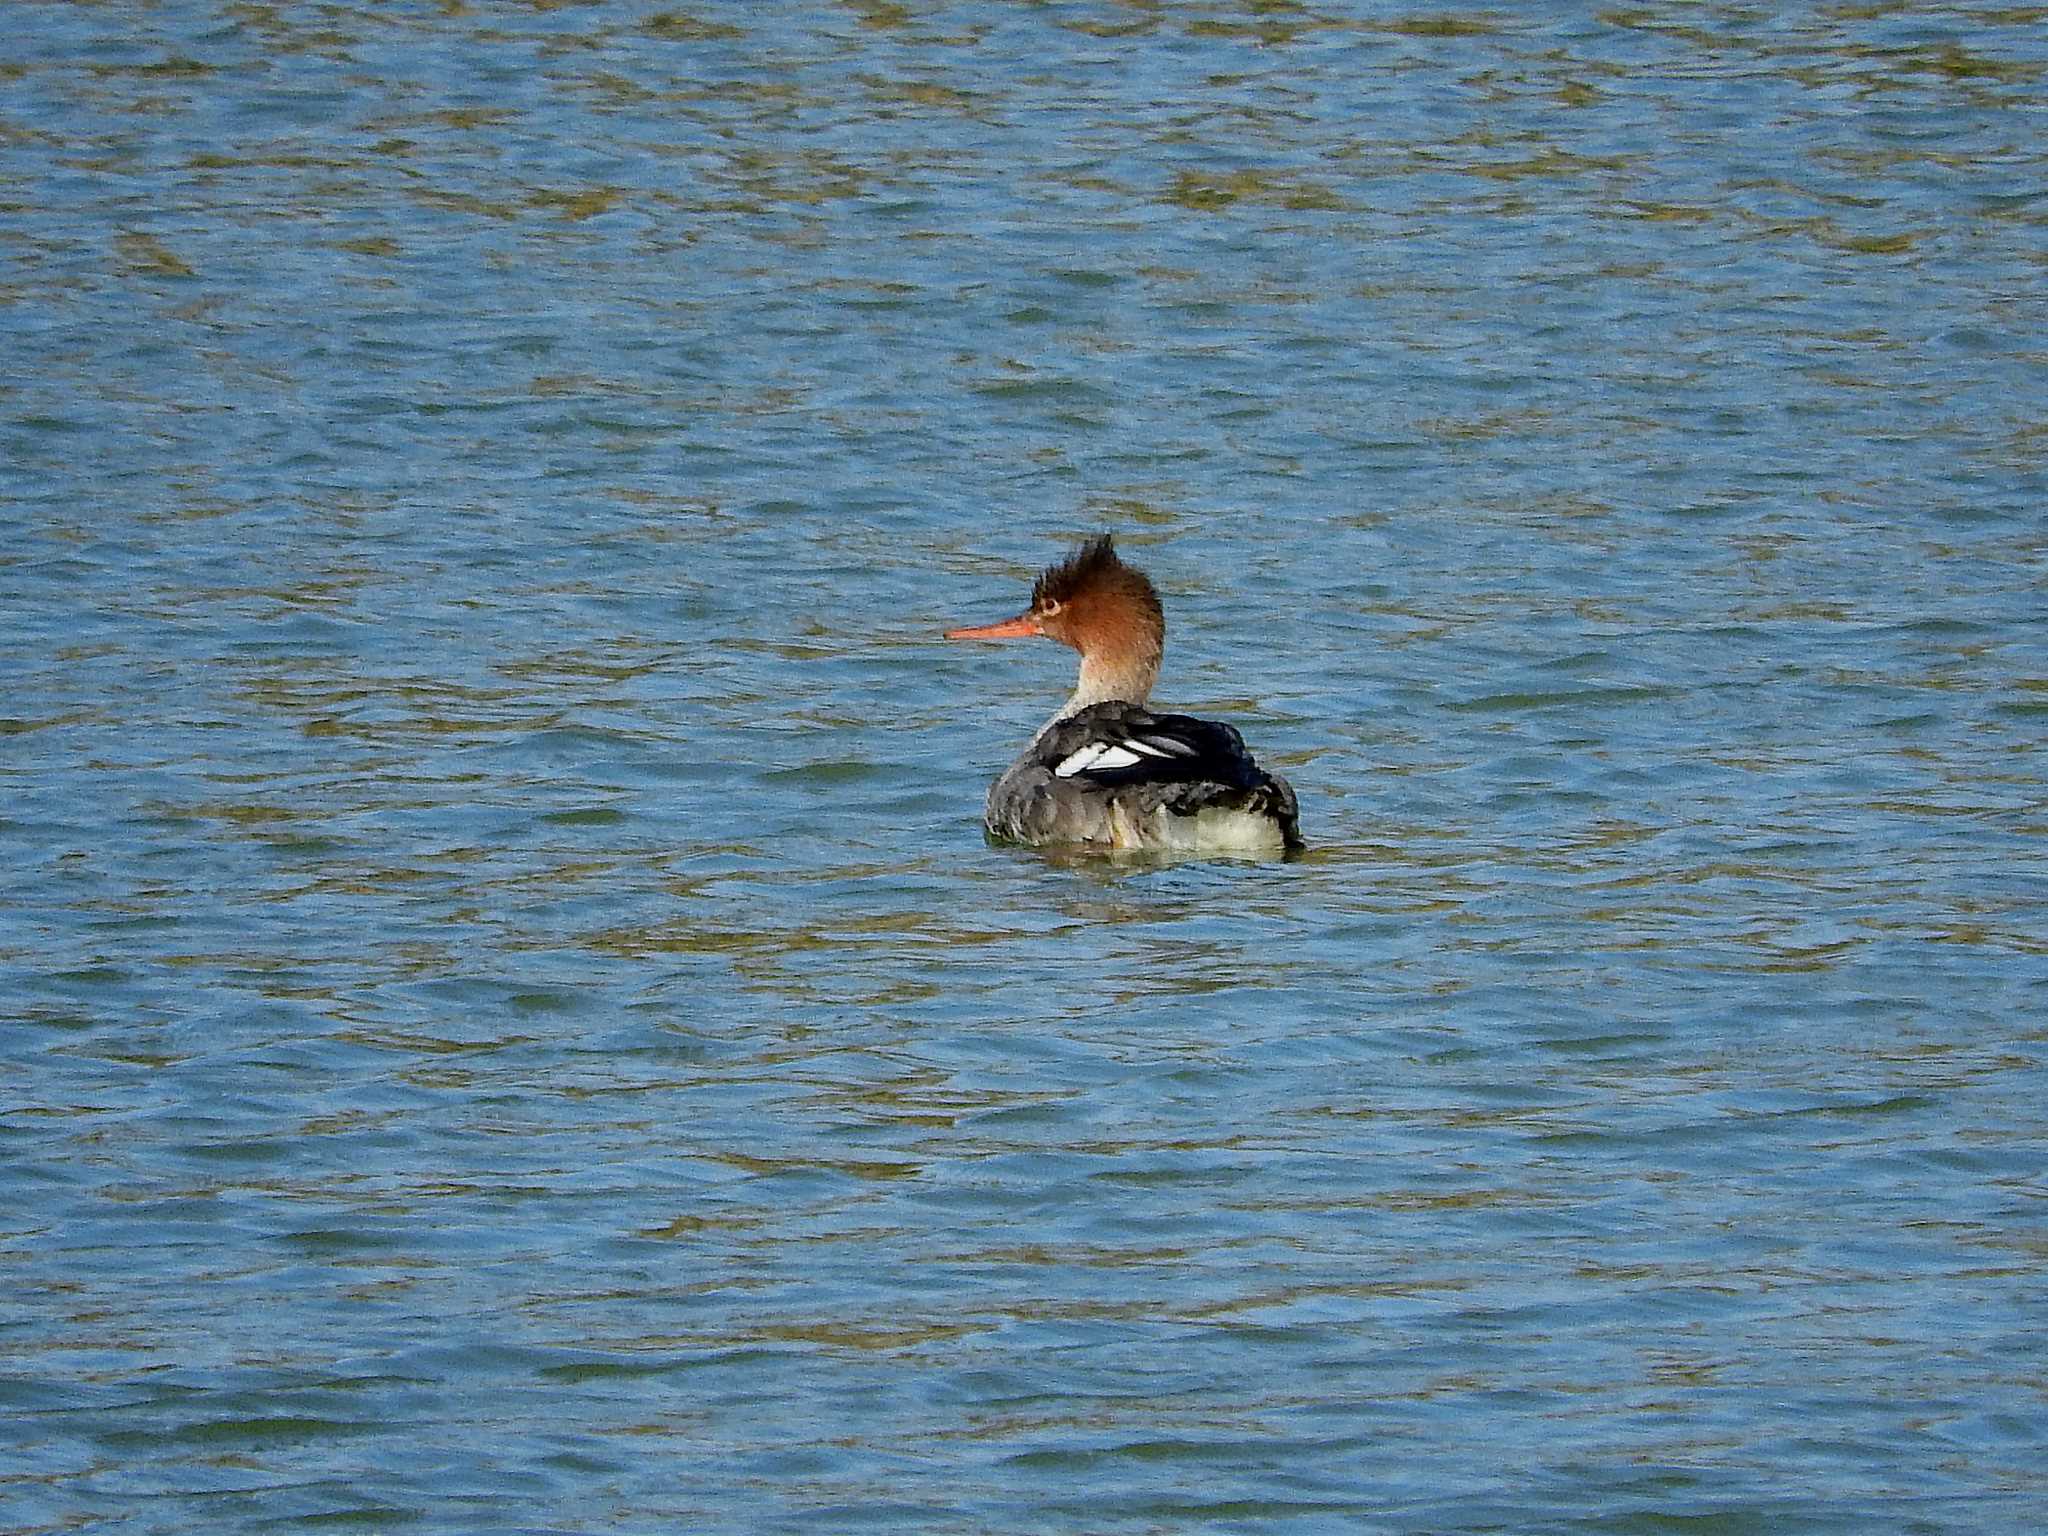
x=511 y=1021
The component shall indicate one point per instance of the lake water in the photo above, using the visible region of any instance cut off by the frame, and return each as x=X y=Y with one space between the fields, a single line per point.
x=511 y=1022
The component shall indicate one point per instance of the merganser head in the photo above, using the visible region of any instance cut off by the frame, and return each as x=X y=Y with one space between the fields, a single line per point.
x=1104 y=609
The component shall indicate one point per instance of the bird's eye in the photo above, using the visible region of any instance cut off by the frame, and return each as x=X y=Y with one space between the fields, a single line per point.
x=1051 y=610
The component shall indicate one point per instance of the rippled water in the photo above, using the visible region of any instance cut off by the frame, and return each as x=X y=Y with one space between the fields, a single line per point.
x=512 y=1023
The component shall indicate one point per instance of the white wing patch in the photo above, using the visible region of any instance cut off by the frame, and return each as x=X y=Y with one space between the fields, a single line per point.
x=1106 y=756
x=1097 y=754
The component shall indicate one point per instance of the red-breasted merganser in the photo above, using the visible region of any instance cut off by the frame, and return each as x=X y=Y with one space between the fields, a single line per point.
x=1105 y=771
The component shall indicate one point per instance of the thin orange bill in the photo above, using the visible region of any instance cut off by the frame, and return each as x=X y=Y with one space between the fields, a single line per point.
x=1008 y=629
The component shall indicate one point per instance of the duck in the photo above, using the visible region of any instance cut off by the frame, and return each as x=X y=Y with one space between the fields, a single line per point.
x=1106 y=772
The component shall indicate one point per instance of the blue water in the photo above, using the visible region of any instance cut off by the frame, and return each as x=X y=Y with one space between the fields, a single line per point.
x=511 y=1022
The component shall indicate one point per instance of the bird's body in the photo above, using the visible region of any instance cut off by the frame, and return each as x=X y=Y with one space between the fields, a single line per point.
x=1105 y=772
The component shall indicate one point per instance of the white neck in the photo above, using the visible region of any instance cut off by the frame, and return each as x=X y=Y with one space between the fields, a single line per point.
x=1103 y=679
